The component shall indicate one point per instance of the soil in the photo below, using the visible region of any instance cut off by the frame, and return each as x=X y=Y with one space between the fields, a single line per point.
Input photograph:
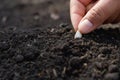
x=37 y=46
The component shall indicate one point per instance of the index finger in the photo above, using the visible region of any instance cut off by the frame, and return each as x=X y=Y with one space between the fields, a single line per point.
x=77 y=11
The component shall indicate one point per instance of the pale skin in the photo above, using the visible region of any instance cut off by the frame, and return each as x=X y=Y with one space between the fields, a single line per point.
x=87 y=15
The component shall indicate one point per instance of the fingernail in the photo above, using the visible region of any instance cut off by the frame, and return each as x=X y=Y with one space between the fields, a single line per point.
x=85 y=26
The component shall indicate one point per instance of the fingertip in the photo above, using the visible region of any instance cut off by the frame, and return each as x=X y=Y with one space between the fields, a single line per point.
x=75 y=18
x=95 y=17
x=77 y=11
x=85 y=26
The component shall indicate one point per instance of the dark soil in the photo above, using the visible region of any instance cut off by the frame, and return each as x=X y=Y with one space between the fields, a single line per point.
x=34 y=46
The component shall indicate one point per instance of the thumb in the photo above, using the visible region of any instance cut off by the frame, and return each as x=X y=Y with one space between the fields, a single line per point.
x=97 y=15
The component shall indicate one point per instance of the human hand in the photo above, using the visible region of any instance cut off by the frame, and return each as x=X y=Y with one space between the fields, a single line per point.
x=87 y=15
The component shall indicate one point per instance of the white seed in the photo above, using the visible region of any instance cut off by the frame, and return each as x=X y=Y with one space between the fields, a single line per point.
x=78 y=35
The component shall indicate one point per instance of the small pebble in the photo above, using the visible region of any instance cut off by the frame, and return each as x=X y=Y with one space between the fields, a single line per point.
x=36 y=17
x=19 y=58
x=55 y=16
x=4 y=19
x=52 y=30
x=113 y=68
x=78 y=35
x=112 y=76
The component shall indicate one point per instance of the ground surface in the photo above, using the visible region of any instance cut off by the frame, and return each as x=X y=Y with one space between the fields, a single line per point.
x=36 y=43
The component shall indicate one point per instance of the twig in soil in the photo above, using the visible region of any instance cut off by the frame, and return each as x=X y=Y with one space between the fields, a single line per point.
x=82 y=57
x=64 y=71
x=55 y=73
x=78 y=35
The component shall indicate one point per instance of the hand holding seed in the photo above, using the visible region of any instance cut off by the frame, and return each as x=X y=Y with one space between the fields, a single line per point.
x=87 y=15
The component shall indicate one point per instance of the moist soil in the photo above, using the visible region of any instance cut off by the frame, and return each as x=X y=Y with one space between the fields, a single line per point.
x=34 y=46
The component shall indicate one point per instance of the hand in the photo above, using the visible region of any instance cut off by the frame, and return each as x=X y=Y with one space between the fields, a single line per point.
x=87 y=15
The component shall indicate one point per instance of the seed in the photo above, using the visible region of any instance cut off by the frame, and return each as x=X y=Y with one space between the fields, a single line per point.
x=78 y=35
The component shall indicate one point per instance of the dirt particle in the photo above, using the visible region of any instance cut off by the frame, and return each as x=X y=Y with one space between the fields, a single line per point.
x=19 y=58
x=30 y=56
x=52 y=30
x=112 y=76
x=4 y=19
x=76 y=62
x=36 y=17
x=16 y=76
x=113 y=68
x=98 y=65
x=63 y=25
x=4 y=46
